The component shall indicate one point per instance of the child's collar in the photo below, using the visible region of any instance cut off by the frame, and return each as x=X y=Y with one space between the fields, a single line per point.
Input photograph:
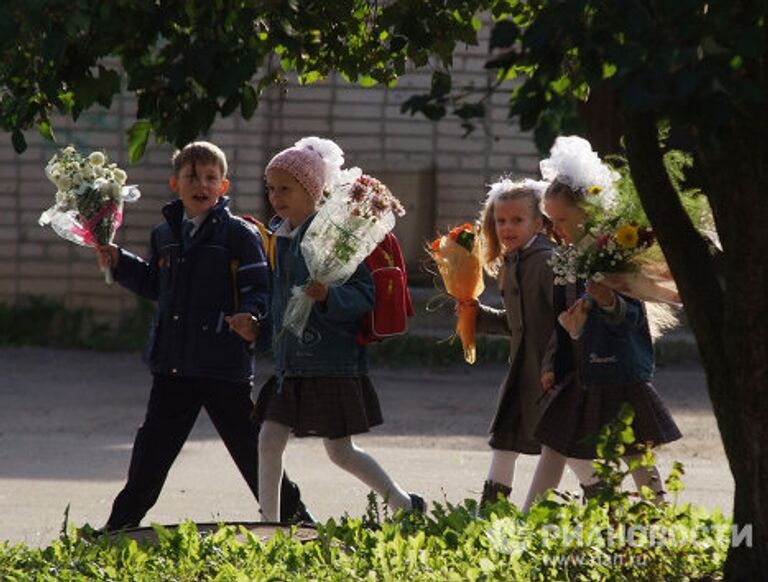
x=284 y=228
x=529 y=244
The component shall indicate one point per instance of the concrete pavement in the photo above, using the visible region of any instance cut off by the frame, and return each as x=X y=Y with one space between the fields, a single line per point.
x=68 y=418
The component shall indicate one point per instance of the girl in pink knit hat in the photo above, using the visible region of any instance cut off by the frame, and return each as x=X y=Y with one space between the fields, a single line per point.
x=321 y=386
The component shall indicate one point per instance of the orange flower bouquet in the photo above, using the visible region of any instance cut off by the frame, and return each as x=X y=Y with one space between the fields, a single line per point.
x=457 y=256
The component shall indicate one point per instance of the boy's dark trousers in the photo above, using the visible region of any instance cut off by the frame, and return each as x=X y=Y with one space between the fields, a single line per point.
x=174 y=405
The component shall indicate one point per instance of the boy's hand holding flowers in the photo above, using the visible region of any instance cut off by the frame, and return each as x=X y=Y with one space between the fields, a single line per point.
x=107 y=256
x=245 y=325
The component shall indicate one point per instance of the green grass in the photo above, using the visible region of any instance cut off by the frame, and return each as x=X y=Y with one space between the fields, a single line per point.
x=40 y=321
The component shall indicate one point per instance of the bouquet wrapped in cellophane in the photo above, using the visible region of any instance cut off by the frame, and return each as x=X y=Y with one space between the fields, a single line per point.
x=457 y=256
x=90 y=192
x=355 y=216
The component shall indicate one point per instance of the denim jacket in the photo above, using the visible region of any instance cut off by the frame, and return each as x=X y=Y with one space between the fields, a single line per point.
x=328 y=346
x=614 y=347
x=194 y=286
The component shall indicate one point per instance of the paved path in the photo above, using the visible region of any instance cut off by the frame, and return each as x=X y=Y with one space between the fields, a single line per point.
x=68 y=418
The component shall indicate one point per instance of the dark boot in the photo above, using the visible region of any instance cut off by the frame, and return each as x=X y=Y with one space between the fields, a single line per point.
x=591 y=491
x=418 y=505
x=491 y=491
x=302 y=516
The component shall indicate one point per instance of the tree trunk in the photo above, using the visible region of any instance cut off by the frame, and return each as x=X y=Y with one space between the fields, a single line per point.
x=737 y=167
x=602 y=117
x=727 y=311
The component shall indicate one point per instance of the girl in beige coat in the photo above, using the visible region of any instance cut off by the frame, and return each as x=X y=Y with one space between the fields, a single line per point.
x=517 y=254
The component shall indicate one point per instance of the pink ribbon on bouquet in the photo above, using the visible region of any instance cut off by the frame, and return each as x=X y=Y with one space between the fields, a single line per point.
x=85 y=231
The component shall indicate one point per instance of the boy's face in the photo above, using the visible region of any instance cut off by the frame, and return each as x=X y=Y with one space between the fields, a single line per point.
x=567 y=218
x=288 y=197
x=199 y=186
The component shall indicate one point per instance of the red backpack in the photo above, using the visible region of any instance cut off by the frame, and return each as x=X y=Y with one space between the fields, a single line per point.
x=392 y=302
x=392 y=305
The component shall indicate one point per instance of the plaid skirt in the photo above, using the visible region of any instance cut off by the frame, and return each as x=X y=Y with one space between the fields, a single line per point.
x=508 y=432
x=330 y=407
x=576 y=414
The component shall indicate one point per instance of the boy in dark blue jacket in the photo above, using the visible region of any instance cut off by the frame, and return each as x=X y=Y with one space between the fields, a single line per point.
x=209 y=275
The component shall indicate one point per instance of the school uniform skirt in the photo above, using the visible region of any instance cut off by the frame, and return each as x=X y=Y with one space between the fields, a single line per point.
x=576 y=415
x=518 y=412
x=330 y=407
x=508 y=432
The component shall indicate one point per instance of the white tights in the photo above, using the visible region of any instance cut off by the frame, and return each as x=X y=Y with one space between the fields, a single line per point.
x=502 y=469
x=273 y=439
x=642 y=476
x=549 y=471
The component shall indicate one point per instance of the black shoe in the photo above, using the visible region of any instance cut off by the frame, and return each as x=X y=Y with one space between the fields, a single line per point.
x=302 y=516
x=418 y=504
x=109 y=528
x=492 y=490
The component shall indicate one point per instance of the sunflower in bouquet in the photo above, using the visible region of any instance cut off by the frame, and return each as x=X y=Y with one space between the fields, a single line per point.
x=457 y=256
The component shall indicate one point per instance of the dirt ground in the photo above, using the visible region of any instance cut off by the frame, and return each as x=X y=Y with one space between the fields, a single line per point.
x=68 y=419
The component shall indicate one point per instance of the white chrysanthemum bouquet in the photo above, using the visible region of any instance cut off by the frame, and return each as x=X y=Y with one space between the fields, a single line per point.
x=355 y=216
x=90 y=192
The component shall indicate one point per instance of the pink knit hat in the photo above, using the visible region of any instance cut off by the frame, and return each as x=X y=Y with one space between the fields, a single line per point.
x=305 y=164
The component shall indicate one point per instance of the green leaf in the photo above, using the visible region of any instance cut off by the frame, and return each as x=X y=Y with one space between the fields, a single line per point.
x=441 y=84
x=137 y=139
x=310 y=77
x=503 y=35
x=397 y=43
x=45 y=129
x=19 y=143
x=627 y=435
x=367 y=81
x=66 y=101
x=249 y=102
x=229 y=105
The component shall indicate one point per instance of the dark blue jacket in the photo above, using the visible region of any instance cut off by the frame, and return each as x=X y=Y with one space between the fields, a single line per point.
x=195 y=289
x=614 y=348
x=328 y=346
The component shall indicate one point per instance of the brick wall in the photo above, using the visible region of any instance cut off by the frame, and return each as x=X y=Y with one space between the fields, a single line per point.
x=445 y=171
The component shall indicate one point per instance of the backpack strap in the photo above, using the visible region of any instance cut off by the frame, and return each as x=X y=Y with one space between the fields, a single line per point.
x=267 y=239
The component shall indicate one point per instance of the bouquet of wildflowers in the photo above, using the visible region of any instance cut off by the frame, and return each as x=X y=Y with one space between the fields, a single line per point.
x=457 y=256
x=90 y=192
x=620 y=254
x=355 y=216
